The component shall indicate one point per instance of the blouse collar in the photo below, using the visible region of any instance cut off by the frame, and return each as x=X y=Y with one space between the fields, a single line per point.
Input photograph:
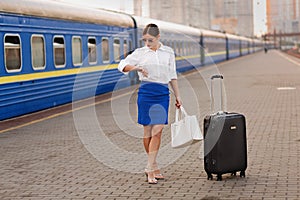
x=161 y=47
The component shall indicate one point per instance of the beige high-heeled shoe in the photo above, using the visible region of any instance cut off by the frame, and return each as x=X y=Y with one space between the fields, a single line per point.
x=149 y=173
x=157 y=173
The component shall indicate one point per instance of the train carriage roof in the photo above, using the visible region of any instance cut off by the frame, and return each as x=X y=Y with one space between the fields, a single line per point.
x=246 y=39
x=167 y=26
x=233 y=37
x=59 y=10
x=210 y=33
x=258 y=41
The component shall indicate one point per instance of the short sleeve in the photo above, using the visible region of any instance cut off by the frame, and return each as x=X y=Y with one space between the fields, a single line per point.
x=173 y=73
x=131 y=59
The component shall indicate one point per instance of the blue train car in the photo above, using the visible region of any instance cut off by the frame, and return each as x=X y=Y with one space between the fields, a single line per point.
x=214 y=44
x=258 y=45
x=47 y=47
x=245 y=45
x=234 y=46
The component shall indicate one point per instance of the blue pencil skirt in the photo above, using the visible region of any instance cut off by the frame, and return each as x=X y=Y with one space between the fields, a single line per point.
x=153 y=103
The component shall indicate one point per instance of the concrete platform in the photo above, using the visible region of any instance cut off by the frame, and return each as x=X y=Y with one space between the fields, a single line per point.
x=93 y=149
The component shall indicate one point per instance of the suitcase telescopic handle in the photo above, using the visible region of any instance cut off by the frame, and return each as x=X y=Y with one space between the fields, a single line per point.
x=217 y=106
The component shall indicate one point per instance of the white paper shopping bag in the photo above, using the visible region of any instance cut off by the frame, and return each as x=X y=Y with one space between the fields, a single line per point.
x=185 y=129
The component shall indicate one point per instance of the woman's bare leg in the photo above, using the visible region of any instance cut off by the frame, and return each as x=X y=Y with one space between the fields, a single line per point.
x=147 y=137
x=154 y=144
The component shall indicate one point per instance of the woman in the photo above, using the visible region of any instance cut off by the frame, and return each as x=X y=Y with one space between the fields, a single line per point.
x=155 y=64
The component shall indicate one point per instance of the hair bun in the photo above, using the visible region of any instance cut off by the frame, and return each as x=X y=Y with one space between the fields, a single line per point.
x=151 y=29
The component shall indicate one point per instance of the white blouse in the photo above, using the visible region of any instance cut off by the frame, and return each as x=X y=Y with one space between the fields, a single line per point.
x=160 y=64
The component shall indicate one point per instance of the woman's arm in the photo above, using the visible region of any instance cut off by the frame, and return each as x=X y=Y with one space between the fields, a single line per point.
x=129 y=64
x=174 y=85
x=129 y=68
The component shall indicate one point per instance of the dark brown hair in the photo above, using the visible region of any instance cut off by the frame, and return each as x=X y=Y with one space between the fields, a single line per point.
x=151 y=29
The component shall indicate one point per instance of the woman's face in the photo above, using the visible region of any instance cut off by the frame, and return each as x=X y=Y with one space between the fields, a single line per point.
x=151 y=41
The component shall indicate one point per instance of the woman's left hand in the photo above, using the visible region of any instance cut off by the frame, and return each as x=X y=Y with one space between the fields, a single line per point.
x=178 y=102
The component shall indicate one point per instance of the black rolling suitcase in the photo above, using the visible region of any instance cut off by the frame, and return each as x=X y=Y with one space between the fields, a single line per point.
x=225 y=145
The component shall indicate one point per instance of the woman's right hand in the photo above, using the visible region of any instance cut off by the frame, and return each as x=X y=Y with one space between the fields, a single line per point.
x=143 y=71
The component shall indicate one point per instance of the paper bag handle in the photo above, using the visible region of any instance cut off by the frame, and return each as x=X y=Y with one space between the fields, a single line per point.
x=182 y=111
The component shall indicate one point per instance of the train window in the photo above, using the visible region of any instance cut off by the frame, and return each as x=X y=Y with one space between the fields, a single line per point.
x=141 y=43
x=180 y=48
x=192 y=46
x=125 y=48
x=105 y=50
x=171 y=43
x=196 y=48
x=12 y=48
x=92 y=50
x=130 y=46
x=166 y=43
x=184 y=48
x=117 y=50
x=38 y=52
x=214 y=44
x=188 y=48
x=174 y=46
x=177 y=48
x=76 y=51
x=59 y=51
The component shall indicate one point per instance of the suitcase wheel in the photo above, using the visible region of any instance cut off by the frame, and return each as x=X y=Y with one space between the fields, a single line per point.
x=242 y=174
x=209 y=176
x=219 y=177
